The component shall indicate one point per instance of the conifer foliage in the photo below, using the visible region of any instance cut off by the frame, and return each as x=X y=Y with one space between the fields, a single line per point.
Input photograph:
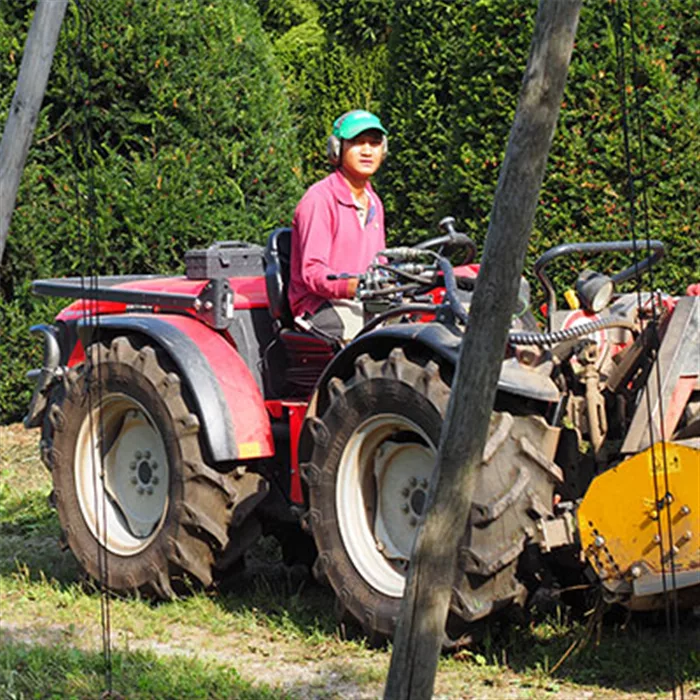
x=207 y=119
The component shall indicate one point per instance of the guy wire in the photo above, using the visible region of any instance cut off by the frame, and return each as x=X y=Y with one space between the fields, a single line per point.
x=672 y=627
x=82 y=53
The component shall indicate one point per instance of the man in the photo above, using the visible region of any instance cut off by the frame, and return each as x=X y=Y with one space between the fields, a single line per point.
x=338 y=228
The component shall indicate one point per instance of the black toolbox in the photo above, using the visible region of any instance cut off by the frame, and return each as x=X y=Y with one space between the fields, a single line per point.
x=224 y=259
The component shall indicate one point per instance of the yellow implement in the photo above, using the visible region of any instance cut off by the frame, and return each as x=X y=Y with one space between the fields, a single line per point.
x=639 y=525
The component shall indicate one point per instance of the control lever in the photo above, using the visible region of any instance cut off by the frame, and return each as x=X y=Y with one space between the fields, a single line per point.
x=447 y=224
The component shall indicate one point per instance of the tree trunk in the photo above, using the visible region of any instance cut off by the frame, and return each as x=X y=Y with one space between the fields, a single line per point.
x=26 y=103
x=420 y=631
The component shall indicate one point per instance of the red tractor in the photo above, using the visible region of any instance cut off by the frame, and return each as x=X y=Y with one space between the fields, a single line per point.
x=183 y=417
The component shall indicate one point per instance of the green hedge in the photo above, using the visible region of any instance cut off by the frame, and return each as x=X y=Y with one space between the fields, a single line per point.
x=192 y=141
x=208 y=119
x=333 y=56
x=451 y=97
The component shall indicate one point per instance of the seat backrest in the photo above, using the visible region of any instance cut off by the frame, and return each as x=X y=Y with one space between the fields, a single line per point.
x=277 y=257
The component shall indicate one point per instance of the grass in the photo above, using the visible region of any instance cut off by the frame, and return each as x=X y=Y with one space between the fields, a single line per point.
x=271 y=636
x=63 y=672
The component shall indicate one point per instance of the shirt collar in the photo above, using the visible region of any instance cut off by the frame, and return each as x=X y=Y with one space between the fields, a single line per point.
x=341 y=190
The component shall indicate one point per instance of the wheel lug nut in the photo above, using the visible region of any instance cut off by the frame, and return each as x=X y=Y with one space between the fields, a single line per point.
x=405 y=492
x=132 y=465
x=140 y=490
x=134 y=480
x=154 y=465
x=424 y=483
x=154 y=480
x=147 y=454
x=405 y=508
x=149 y=490
x=137 y=454
x=413 y=482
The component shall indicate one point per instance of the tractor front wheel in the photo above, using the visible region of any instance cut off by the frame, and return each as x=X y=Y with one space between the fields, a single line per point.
x=373 y=456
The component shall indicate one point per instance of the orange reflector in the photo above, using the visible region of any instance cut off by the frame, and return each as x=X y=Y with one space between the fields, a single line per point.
x=249 y=449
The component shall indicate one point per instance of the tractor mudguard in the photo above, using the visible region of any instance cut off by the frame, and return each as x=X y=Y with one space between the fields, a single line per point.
x=229 y=404
x=438 y=340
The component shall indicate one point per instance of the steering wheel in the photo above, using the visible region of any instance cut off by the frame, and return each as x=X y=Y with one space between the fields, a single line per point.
x=451 y=241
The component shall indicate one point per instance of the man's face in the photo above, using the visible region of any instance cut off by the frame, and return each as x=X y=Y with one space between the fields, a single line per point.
x=362 y=155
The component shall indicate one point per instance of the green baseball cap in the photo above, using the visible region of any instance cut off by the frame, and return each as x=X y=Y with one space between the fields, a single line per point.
x=353 y=123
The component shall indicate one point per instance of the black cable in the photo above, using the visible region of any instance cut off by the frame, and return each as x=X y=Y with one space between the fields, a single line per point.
x=671 y=628
x=398 y=311
x=90 y=307
x=451 y=289
x=417 y=279
x=551 y=337
x=657 y=373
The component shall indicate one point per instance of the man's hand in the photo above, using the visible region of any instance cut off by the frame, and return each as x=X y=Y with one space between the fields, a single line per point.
x=352 y=287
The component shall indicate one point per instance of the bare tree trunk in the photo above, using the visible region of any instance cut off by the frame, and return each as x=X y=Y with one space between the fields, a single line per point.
x=26 y=103
x=420 y=631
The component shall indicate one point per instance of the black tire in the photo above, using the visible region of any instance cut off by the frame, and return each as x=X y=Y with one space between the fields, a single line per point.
x=370 y=467
x=162 y=514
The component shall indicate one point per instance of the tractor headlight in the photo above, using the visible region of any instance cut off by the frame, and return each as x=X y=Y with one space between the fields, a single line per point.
x=594 y=290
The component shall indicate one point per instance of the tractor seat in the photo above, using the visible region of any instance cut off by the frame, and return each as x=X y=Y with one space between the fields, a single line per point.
x=306 y=354
x=277 y=258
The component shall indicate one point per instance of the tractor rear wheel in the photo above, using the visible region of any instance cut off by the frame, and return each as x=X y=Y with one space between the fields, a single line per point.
x=131 y=486
x=371 y=465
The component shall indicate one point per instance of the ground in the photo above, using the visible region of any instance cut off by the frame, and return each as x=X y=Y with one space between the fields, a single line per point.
x=274 y=630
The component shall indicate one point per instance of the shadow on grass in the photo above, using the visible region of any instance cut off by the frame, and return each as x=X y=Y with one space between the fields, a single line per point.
x=27 y=514
x=30 y=541
x=286 y=597
x=635 y=653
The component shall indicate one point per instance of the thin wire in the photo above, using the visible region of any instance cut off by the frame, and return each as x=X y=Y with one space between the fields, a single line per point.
x=645 y=211
x=675 y=626
x=652 y=347
x=90 y=306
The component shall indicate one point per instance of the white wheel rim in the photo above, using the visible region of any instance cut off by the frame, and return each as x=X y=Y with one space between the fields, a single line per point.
x=381 y=492
x=122 y=489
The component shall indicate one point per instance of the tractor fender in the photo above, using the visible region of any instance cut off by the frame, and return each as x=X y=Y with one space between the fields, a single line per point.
x=230 y=407
x=436 y=339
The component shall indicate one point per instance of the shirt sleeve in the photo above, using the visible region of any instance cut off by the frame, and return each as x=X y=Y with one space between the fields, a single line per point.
x=314 y=226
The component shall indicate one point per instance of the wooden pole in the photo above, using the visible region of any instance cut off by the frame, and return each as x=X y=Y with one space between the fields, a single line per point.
x=420 y=631
x=26 y=103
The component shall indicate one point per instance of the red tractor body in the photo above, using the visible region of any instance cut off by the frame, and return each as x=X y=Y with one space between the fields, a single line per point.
x=183 y=417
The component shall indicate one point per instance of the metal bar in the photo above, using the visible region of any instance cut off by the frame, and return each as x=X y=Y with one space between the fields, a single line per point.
x=79 y=288
x=590 y=248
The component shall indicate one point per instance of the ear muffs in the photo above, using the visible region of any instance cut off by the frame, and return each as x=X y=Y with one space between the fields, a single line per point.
x=334 y=148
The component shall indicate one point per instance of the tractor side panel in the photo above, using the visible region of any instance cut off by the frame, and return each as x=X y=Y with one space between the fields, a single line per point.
x=229 y=403
x=675 y=375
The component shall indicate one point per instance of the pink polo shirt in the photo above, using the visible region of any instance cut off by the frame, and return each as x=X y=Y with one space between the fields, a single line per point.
x=327 y=238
